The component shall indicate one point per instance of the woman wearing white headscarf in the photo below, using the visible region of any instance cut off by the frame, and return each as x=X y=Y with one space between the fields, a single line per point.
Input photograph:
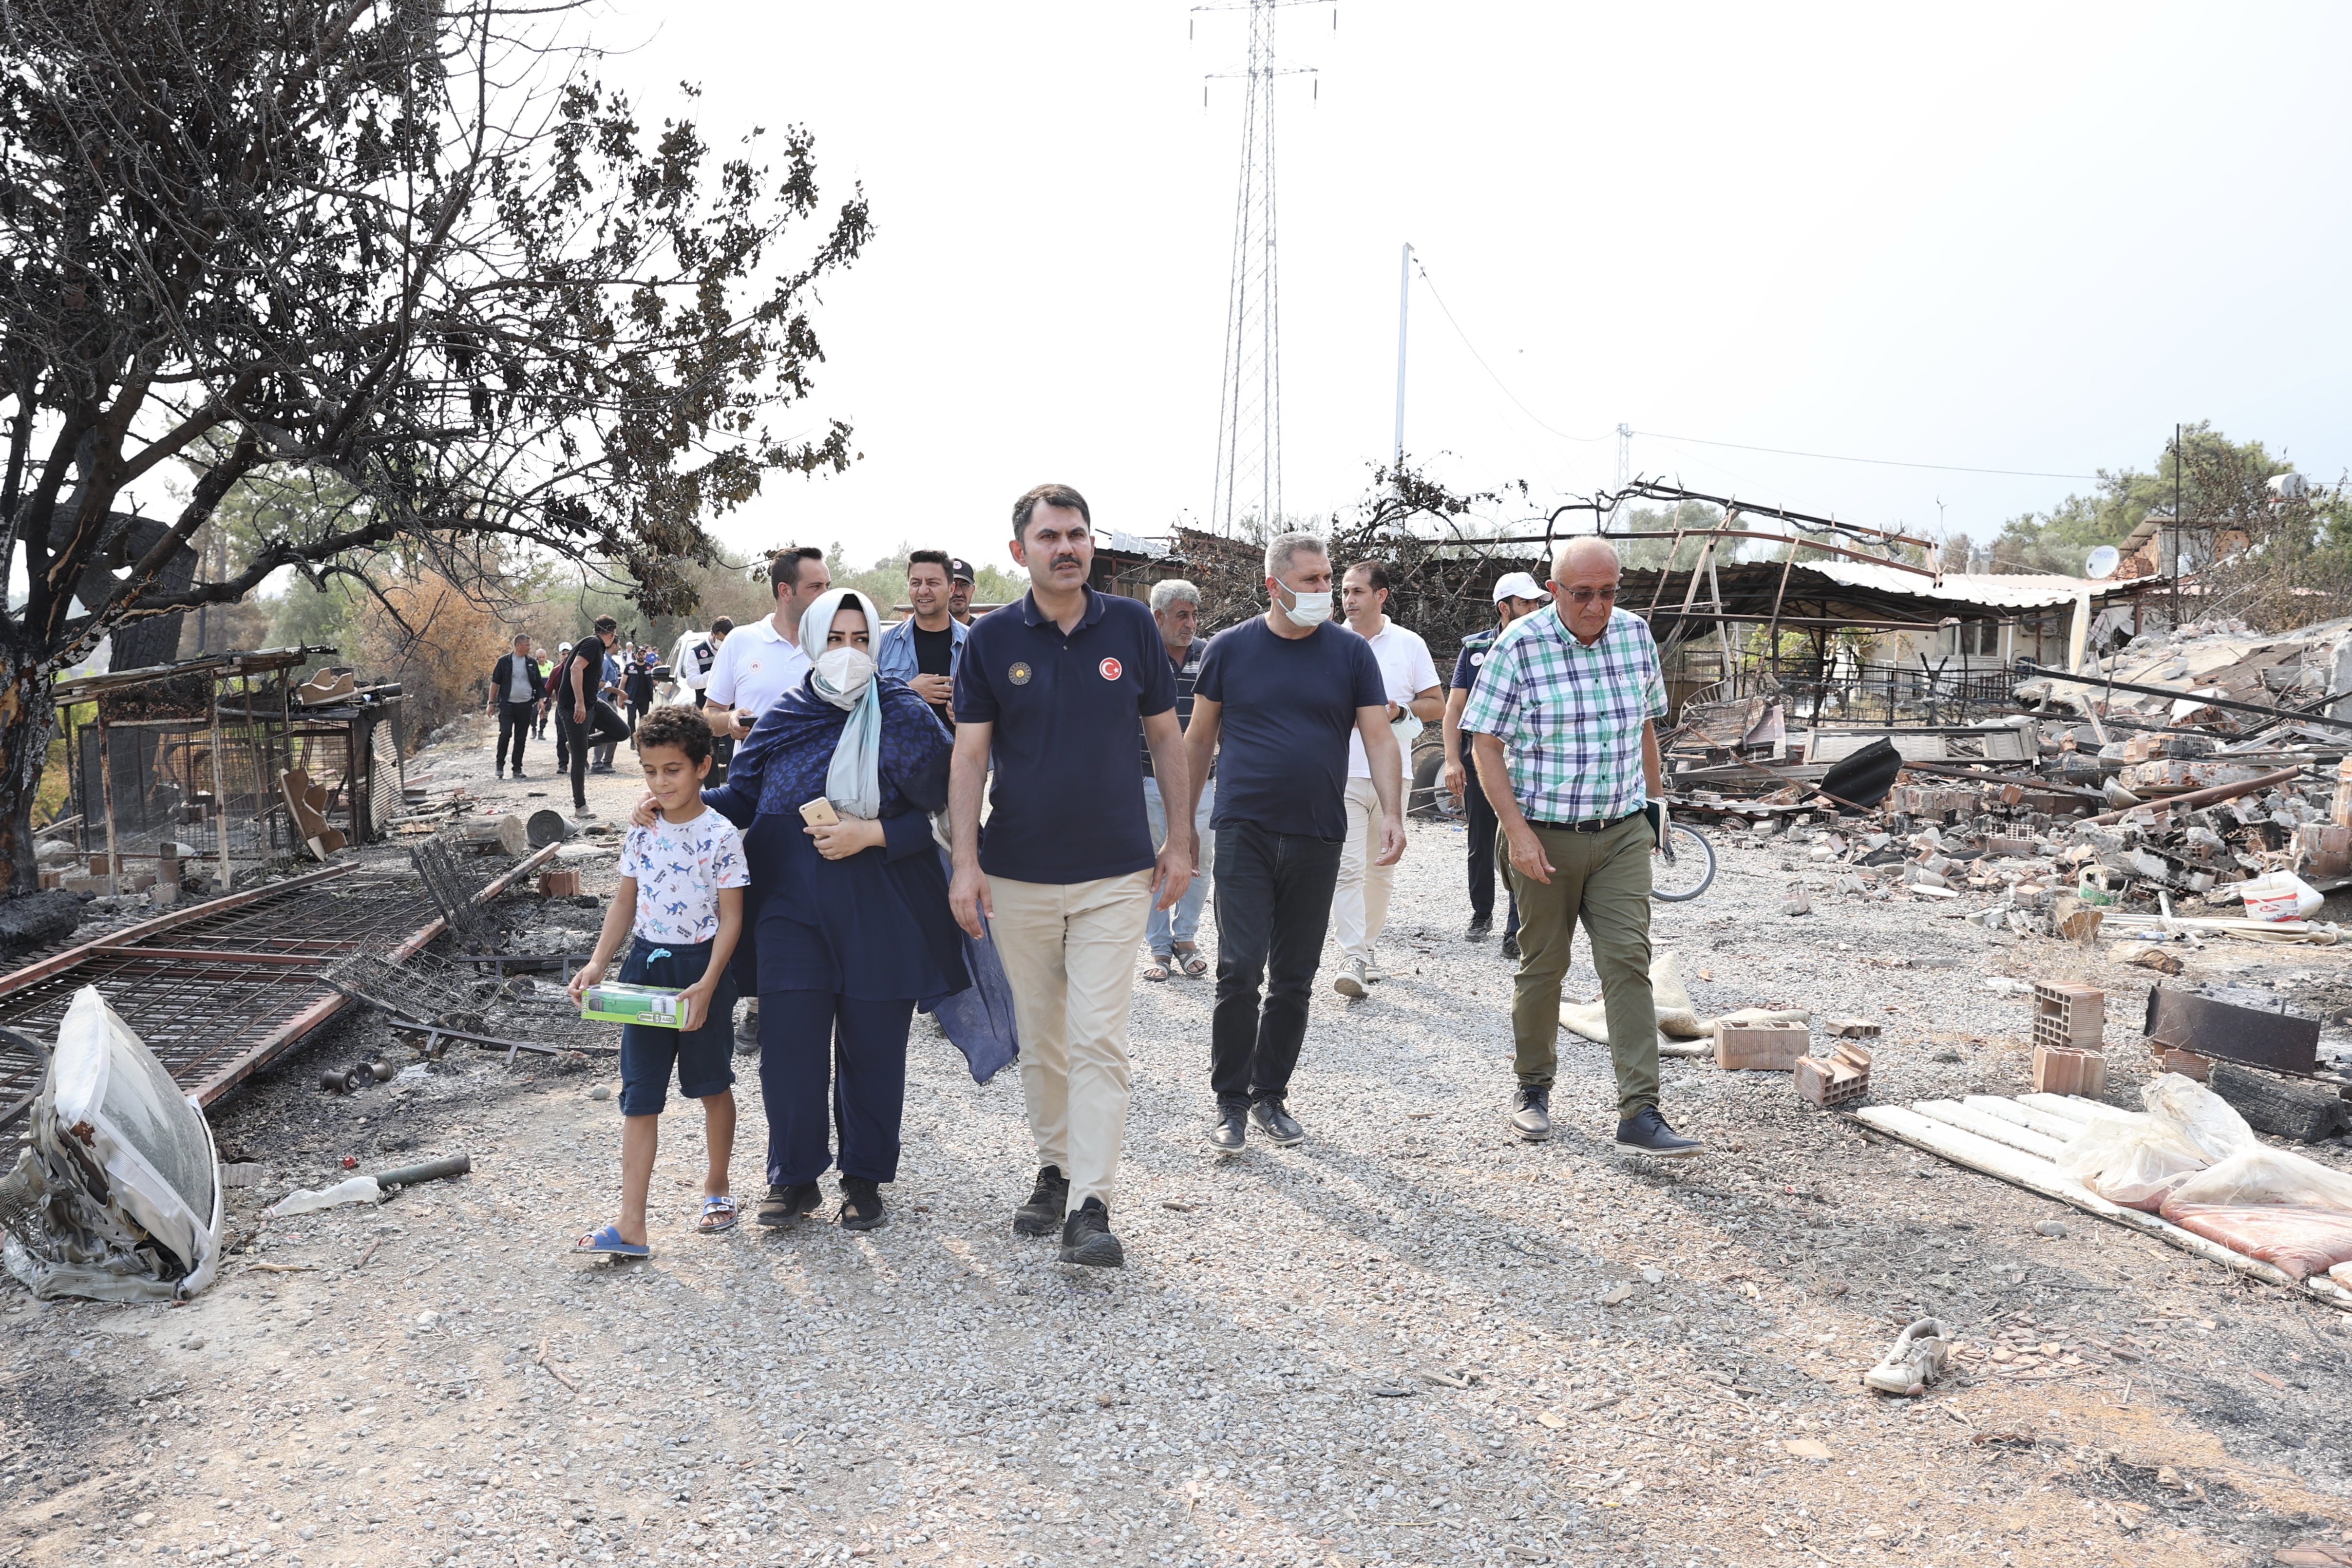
x=851 y=927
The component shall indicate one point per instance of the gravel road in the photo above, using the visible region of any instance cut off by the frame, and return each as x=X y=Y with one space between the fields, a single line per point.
x=1409 y=1340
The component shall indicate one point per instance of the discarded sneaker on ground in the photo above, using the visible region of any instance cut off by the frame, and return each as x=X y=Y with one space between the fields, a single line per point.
x=1915 y=1360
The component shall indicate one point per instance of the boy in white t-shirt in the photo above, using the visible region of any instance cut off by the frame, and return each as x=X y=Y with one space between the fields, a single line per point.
x=681 y=895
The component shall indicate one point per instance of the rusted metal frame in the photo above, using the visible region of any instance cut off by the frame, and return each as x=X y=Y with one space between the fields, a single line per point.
x=1658 y=592
x=214 y=955
x=2043 y=672
x=1780 y=595
x=1742 y=533
x=267 y=1048
x=106 y=800
x=131 y=935
x=220 y=795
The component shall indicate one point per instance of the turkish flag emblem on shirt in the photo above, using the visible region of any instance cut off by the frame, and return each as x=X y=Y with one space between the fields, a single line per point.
x=1109 y=668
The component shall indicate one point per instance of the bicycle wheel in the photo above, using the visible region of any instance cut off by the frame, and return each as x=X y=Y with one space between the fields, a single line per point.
x=1686 y=869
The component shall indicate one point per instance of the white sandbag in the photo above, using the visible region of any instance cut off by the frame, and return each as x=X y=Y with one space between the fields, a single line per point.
x=2131 y=1157
x=1677 y=1017
x=2199 y=1114
x=2269 y=1175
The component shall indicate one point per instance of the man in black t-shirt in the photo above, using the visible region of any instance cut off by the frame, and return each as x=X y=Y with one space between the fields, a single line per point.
x=582 y=715
x=923 y=650
x=1284 y=691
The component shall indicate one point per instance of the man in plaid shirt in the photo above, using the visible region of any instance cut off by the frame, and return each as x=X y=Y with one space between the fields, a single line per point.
x=1561 y=727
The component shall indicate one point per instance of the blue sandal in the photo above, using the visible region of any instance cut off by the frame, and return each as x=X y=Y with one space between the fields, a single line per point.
x=717 y=1213
x=608 y=1242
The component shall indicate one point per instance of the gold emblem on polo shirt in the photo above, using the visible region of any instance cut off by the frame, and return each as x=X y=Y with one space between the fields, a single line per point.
x=1020 y=673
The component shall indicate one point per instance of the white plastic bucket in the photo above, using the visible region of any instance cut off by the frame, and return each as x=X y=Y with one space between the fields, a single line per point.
x=2281 y=895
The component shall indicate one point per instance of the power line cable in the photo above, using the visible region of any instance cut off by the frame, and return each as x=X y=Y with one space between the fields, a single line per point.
x=1879 y=462
x=1483 y=365
x=1422 y=267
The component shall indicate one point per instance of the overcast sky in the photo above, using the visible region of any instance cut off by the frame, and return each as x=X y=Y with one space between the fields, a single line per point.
x=2024 y=238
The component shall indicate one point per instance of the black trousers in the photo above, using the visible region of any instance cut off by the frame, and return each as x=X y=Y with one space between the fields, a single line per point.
x=603 y=727
x=1274 y=904
x=1484 y=828
x=514 y=719
x=637 y=711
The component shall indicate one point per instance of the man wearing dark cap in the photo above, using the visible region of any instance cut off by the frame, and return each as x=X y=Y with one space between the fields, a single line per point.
x=959 y=582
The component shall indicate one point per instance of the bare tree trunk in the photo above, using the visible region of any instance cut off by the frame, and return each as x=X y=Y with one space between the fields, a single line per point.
x=28 y=715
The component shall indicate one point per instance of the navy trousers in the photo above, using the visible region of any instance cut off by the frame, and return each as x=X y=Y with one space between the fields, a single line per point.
x=815 y=1042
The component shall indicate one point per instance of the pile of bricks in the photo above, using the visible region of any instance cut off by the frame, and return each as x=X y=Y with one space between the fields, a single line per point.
x=2069 y=1038
x=1933 y=801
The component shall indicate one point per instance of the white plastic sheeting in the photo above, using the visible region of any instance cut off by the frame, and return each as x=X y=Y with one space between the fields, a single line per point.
x=120 y=1195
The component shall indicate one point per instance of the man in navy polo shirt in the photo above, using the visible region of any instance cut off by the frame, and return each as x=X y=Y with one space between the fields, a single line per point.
x=1049 y=690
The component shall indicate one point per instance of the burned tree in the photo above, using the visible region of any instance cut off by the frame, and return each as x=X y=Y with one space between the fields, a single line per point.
x=400 y=243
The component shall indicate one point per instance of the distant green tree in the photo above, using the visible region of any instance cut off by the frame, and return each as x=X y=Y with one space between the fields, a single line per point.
x=2061 y=538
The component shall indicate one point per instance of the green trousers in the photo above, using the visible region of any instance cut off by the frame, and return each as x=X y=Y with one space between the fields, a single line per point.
x=1603 y=878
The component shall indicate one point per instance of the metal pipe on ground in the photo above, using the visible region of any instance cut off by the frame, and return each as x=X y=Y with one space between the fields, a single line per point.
x=2043 y=672
x=2202 y=796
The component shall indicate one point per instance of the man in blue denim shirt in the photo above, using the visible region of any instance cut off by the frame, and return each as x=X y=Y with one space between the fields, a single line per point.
x=923 y=650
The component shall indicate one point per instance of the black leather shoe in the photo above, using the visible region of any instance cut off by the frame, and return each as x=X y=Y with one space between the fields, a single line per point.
x=1086 y=1238
x=1281 y=1128
x=1230 y=1133
x=785 y=1204
x=1645 y=1132
x=861 y=1205
x=1042 y=1215
x=1511 y=945
x=1531 y=1114
x=1481 y=927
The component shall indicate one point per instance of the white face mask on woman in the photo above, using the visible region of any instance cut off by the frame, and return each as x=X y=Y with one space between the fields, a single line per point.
x=1307 y=608
x=842 y=674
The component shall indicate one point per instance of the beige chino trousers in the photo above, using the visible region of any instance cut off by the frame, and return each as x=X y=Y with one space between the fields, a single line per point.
x=1069 y=952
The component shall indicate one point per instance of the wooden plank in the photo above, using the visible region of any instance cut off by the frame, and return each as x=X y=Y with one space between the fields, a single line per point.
x=1954 y=1113
x=2021 y=1169
x=2043 y=1121
x=2074 y=1107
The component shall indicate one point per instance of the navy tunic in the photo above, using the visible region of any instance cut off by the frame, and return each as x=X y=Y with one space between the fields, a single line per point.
x=875 y=926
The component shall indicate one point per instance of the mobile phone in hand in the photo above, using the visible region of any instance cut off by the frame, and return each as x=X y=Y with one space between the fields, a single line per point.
x=819 y=813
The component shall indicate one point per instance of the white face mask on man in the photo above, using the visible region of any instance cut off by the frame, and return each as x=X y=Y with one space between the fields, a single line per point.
x=1306 y=609
x=842 y=674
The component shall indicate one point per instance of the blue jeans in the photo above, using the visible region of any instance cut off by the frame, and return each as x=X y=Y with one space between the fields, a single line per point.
x=1181 y=924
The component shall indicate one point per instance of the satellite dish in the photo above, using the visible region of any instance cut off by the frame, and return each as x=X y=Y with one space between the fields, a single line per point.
x=2103 y=562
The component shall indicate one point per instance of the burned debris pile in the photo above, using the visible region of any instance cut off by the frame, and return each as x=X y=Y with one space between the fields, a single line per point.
x=2213 y=800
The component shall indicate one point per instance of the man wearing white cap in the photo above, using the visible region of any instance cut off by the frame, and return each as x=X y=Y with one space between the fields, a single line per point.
x=1517 y=593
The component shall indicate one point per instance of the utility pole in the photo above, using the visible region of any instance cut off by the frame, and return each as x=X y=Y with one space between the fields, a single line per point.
x=2177 y=520
x=1404 y=298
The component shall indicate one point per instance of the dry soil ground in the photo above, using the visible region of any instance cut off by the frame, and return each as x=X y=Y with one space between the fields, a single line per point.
x=1411 y=1339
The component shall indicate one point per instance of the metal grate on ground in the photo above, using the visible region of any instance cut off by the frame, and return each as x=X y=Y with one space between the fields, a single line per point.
x=221 y=990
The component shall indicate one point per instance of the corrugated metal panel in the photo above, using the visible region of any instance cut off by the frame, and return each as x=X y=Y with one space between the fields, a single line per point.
x=2018 y=591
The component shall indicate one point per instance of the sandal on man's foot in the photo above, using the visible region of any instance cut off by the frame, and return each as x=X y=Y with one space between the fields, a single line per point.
x=785 y=1204
x=717 y=1213
x=1189 y=960
x=607 y=1241
x=1158 y=968
x=861 y=1204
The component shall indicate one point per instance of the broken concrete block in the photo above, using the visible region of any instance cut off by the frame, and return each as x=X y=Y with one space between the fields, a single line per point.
x=2326 y=848
x=1852 y=1029
x=2058 y=1070
x=559 y=885
x=1773 y=1047
x=1996 y=846
x=1837 y=1075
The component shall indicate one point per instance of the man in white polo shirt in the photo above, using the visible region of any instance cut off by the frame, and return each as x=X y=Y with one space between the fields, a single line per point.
x=1360 y=904
x=761 y=661
x=757 y=664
